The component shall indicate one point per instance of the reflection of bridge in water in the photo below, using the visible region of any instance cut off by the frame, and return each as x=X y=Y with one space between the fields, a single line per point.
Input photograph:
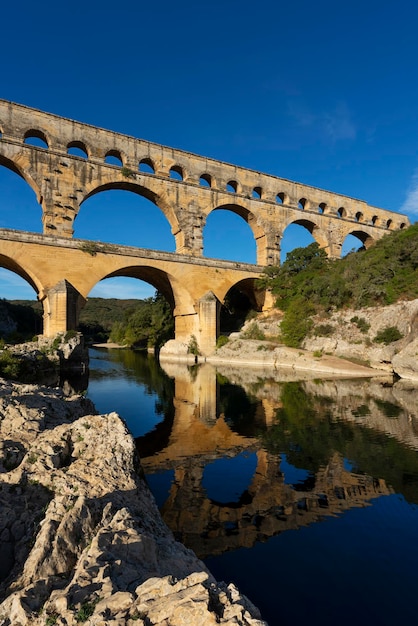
x=268 y=505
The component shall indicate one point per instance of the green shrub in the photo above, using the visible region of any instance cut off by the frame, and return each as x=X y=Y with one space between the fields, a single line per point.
x=323 y=330
x=70 y=334
x=296 y=322
x=85 y=611
x=193 y=347
x=10 y=365
x=222 y=341
x=388 y=335
x=361 y=323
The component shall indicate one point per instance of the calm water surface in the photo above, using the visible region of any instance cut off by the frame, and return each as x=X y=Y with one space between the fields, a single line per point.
x=303 y=493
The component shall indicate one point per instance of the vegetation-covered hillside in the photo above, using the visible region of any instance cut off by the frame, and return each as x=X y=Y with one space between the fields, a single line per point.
x=308 y=282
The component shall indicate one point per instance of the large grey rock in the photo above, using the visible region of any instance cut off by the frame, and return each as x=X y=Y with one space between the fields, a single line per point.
x=83 y=538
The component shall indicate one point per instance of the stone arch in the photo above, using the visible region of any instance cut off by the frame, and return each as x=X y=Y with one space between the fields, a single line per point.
x=173 y=289
x=282 y=198
x=36 y=133
x=303 y=203
x=8 y=263
x=116 y=155
x=205 y=180
x=232 y=186
x=147 y=193
x=146 y=166
x=237 y=301
x=23 y=173
x=365 y=239
x=176 y=172
x=257 y=193
x=80 y=147
x=257 y=230
x=316 y=231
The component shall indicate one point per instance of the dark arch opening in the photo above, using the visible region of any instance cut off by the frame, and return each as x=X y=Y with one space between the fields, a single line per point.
x=37 y=138
x=176 y=172
x=389 y=223
x=341 y=212
x=205 y=180
x=228 y=236
x=239 y=302
x=322 y=207
x=232 y=186
x=281 y=198
x=374 y=220
x=77 y=148
x=113 y=157
x=359 y=216
x=257 y=193
x=302 y=203
x=20 y=209
x=126 y=214
x=146 y=166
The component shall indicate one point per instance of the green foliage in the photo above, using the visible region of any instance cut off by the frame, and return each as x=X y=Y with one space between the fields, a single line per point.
x=383 y=274
x=193 y=347
x=10 y=365
x=127 y=172
x=51 y=619
x=361 y=323
x=296 y=322
x=254 y=332
x=90 y=247
x=222 y=341
x=149 y=324
x=324 y=330
x=388 y=335
x=85 y=611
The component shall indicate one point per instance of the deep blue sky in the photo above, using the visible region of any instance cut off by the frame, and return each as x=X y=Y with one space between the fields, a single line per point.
x=323 y=92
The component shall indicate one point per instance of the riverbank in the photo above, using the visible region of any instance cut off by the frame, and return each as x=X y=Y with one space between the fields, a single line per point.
x=82 y=538
x=343 y=344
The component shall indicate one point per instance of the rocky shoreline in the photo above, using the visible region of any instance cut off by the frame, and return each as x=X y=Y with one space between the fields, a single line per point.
x=82 y=538
x=346 y=349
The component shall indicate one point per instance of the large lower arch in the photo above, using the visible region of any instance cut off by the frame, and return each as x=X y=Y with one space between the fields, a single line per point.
x=256 y=229
x=173 y=289
x=236 y=304
x=14 y=266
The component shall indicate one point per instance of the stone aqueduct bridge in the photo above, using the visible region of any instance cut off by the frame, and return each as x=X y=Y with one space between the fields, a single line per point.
x=186 y=187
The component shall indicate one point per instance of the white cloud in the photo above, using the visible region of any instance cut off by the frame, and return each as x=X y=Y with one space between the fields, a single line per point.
x=411 y=203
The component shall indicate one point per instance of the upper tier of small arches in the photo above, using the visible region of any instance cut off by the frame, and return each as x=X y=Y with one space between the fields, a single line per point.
x=166 y=165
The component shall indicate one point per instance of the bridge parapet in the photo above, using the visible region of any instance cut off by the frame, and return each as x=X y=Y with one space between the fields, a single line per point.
x=187 y=187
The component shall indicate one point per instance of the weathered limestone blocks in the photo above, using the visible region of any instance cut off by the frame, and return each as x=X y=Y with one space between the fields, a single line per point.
x=82 y=538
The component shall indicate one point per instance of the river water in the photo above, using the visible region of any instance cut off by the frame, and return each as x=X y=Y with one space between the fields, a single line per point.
x=302 y=493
